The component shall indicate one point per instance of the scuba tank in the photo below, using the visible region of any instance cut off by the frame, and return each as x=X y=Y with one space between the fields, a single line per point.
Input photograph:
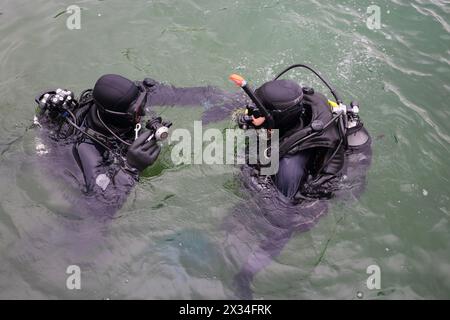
x=355 y=134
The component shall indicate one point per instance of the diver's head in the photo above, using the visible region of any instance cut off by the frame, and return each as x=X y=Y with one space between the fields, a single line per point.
x=282 y=99
x=119 y=100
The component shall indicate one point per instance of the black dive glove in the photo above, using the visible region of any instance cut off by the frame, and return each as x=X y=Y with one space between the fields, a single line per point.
x=142 y=153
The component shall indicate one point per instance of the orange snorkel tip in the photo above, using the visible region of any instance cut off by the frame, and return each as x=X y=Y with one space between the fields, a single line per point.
x=238 y=80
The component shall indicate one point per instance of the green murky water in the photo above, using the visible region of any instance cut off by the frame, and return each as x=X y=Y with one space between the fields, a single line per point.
x=166 y=242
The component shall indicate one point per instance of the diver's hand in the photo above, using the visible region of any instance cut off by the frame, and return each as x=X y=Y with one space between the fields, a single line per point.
x=258 y=122
x=142 y=153
x=245 y=121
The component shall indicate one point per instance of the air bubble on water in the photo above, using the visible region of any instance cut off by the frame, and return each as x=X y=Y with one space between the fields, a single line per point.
x=359 y=295
x=99 y=14
x=425 y=192
x=387 y=249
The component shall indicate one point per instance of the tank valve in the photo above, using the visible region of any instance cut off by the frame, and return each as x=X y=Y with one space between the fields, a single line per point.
x=354 y=107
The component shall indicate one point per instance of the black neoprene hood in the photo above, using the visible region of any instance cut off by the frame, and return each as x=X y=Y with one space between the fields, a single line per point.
x=115 y=93
x=280 y=94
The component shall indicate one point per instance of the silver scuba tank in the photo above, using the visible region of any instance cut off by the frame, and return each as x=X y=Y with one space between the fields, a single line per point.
x=357 y=135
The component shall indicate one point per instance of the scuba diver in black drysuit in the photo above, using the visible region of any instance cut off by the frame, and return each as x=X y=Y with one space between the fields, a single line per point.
x=324 y=151
x=97 y=133
x=314 y=134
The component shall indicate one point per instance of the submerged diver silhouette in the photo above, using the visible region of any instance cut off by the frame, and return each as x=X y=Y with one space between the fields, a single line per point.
x=259 y=229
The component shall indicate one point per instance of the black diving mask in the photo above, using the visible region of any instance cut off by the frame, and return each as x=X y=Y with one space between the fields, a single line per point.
x=292 y=107
x=281 y=113
x=136 y=109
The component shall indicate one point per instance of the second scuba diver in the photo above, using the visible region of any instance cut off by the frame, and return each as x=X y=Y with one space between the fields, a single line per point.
x=315 y=133
x=324 y=151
